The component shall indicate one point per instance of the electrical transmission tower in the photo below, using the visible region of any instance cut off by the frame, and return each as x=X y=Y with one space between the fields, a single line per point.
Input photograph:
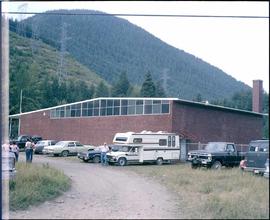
x=62 y=69
x=21 y=26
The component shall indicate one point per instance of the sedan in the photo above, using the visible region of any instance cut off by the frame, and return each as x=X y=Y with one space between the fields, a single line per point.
x=41 y=144
x=65 y=148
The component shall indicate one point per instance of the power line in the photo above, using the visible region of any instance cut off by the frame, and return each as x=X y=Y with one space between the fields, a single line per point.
x=139 y=15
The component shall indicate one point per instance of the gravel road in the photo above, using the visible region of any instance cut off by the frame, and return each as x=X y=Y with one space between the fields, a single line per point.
x=102 y=192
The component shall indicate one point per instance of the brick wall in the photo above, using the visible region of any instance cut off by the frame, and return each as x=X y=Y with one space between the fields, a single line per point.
x=204 y=124
x=92 y=130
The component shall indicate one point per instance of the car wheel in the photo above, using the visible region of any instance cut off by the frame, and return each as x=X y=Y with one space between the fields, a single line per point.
x=85 y=160
x=96 y=159
x=216 y=165
x=159 y=161
x=194 y=166
x=64 y=153
x=122 y=161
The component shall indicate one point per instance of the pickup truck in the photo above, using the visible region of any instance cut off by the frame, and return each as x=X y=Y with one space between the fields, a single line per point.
x=215 y=155
x=22 y=139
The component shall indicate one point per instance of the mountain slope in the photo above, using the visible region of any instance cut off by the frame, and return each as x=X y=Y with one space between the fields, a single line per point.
x=110 y=45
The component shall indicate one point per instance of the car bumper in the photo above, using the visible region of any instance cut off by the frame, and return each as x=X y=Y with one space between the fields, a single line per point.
x=255 y=170
x=200 y=162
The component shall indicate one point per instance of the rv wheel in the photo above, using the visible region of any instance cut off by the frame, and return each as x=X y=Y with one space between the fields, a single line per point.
x=159 y=161
x=122 y=161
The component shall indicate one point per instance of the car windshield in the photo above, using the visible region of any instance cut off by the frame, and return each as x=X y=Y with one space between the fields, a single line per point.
x=216 y=147
x=41 y=142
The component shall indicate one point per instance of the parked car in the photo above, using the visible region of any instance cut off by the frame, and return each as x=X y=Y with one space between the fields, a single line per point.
x=266 y=172
x=65 y=148
x=39 y=146
x=95 y=154
x=21 y=140
x=8 y=165
x=256 y=157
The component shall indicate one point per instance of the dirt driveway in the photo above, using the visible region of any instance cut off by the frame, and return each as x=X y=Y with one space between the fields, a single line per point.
x=100 y=192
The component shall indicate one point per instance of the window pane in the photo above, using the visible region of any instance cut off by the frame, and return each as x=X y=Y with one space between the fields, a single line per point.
x=148 y=102
x=131 y=110
x=162 y=142
x=96 y=112
x=72 y=113
x=124 y=102
x=103 y=103
x=116 y=102
x=84 y=105
x=78 y=113
x=131 y=102
x=96 y=103
x=156 y=101
x=148 y=109
x=123 y=110
x=89 y=112
x=139 y=109
x=109 y=111
x=68 y=112
x=156 y=109
x=139 y=102
x=103 y=111
x=109 y=103
x=165 y=108
x=116 y=110
x=90 y=104
x=84 y=112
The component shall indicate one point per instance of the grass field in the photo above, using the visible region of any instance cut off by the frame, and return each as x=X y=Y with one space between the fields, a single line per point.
x=34 y=184
x=202 y=193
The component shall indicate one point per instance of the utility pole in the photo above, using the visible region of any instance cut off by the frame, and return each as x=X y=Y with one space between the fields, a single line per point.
x=165 y=78
x=19 y=126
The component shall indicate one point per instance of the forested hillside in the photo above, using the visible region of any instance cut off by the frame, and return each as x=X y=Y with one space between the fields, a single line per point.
x=34 y=70
x=109 y=46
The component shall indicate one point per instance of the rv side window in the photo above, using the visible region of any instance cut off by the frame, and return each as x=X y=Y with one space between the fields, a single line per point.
x=169 y=141
x=121 y=139
x=173 y=141
x=162 y=142
x=137 y=140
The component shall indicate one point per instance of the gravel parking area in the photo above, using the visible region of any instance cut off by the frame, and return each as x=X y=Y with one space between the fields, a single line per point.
x=102 y=192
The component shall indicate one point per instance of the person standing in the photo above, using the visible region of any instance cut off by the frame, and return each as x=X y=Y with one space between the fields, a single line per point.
x=31 y=151
x=104 y=150
x=15 y=150
x=28 y=146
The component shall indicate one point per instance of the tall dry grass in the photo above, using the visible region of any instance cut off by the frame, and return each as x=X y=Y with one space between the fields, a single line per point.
x=203 y=193
x=34 y=184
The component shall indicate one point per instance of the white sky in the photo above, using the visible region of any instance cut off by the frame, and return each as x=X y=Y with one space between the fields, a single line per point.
x=240 y=47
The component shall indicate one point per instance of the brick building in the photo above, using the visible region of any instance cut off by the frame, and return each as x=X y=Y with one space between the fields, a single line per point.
x=95 y=121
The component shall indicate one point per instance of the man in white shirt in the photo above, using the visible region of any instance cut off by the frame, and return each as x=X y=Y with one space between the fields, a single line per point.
x=104 y=149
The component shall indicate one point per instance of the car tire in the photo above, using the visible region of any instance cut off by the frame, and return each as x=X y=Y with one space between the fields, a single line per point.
x=194 y=166
x=159 y=161
x=85 y=160
x=122 y=161
x=64 y=153
x=96 y=159
x=216 y=165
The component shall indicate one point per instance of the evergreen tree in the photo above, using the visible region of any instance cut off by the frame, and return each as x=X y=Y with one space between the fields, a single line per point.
x=102 y=90
x=122 y=87
x=148 y=87
x=160 y=92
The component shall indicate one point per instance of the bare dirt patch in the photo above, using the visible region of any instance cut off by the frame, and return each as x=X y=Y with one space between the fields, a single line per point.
x=100 y=192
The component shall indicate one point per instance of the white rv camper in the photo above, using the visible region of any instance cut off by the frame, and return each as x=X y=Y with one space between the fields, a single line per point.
x=145 y=146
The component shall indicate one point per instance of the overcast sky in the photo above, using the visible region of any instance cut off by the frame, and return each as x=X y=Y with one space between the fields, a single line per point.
x=240 y=47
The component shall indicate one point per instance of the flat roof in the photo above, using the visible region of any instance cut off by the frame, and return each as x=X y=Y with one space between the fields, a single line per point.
x=177 y=100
